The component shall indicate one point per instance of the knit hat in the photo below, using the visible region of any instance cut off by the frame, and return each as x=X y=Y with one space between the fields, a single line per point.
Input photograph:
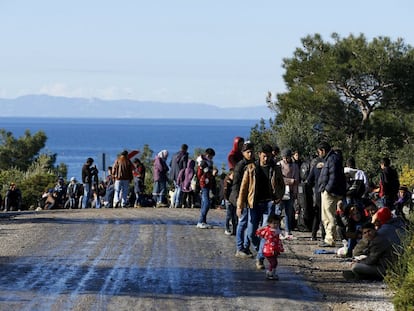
x=286 y=153
x=383 y=215
x=247 y=146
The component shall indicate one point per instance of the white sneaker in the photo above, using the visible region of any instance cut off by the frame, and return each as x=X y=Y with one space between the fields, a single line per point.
x=202 y=225
x=227 y=232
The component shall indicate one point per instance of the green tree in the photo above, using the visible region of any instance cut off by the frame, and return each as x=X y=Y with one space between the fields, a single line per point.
x=346 y=90
x=21 y=152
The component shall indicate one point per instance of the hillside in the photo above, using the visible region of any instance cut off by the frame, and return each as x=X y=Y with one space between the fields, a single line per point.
x=51 y=106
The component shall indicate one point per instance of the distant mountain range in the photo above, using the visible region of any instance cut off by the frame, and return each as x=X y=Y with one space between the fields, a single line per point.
x=52 y=106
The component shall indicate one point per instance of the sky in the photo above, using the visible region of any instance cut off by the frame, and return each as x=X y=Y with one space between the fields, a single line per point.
x=225 y=53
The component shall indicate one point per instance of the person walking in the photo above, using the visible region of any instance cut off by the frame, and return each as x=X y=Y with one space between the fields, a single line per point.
x=332 y=185
x=272 y=246
x=242 y=242
x=262 y=187
x=291 y=177
x=122 y=174
x=205 y=176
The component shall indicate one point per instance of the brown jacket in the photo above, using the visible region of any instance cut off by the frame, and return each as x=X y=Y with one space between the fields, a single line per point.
x=248 y=185
x=122 y=169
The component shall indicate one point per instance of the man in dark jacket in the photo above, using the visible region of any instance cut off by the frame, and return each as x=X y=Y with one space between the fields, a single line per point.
x=242 y=242
x=389 y=183
x=332 y=185
x=178 y=162
x=88 y=174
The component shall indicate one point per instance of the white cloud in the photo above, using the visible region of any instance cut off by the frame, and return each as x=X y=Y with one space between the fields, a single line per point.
x=62 y=89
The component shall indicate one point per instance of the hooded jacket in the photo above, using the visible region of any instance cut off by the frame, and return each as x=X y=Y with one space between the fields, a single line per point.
x=235 y=155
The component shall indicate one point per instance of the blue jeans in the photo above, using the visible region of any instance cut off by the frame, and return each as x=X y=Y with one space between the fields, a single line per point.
x=159 y=191
x=287 y=206
x=205 y=205
x=86 y=195
x=177 y=196
x=121 y=192
x=242 y=242
x=255 y=217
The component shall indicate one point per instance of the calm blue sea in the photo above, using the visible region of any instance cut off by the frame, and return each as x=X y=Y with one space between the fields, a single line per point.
x=74 y=140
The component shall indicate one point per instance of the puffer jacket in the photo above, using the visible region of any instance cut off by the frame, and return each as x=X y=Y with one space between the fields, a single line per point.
x=332 y=177
x=247 y=191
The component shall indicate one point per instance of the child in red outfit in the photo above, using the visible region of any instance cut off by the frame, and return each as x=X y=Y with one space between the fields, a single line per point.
x=273 y=245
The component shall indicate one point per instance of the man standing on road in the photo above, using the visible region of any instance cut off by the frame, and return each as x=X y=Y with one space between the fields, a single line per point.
x=242 y=243
x=122 y=173
x=205 y=177
x=332 y=185
x=178 y=162
x=262 y=187
x=88 y=173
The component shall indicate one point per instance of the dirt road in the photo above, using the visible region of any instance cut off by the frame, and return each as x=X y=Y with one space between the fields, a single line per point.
x=135 y=259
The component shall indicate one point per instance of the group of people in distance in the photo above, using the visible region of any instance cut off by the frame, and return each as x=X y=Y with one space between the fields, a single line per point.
x=262 y=186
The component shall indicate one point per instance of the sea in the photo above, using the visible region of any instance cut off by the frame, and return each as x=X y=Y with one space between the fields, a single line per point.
x=74 y=140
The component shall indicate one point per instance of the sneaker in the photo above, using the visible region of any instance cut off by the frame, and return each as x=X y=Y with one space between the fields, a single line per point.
x=260 y=264
x=269 y=275
x=202 y=225
x=242 y=254
x=275 y=276
x=227 y=232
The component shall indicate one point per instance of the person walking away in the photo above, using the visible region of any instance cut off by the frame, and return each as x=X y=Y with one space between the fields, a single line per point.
x=13 y=198
x=272 y=246
x=160 y=173
x=178 y=162
x=87 y=179
x=205 y=177
x=185 y=178
x=122 y=174
x=235 y=155
x=231 y=216
x=389 y=183
x=262 y=187
x=332 y=185
x=242 y=242
x=139 y=182
x=291 y=177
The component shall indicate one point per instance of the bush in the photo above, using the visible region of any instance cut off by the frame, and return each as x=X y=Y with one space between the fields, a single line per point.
x=400 y=277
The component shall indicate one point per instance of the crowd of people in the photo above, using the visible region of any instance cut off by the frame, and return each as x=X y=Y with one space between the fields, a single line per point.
x=265 y=191
x=343 y=206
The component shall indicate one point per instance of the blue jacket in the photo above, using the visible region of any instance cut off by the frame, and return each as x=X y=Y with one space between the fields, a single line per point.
x=332 y=177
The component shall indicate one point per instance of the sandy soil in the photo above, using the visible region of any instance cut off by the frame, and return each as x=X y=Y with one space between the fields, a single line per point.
x=156 y=259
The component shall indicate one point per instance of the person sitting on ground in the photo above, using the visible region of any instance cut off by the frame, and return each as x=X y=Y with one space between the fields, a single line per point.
x=403 y=205
x=377 y=256
x=13 y=198
x=349 y=222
